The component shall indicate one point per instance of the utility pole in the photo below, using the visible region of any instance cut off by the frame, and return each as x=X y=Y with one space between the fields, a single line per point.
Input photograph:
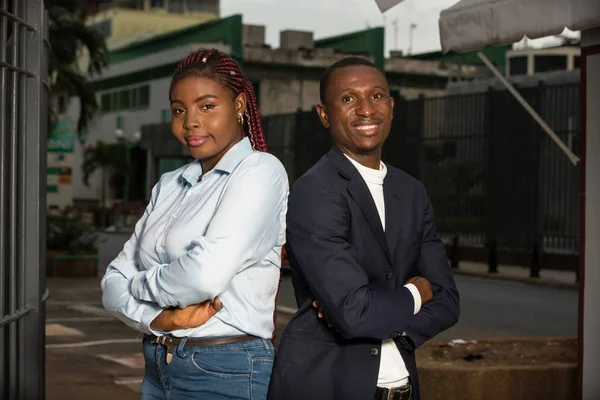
x=395 y=24
x=413 y=26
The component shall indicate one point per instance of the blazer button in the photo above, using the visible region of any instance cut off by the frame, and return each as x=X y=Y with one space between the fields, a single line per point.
x=389 y=275
x=374 y=351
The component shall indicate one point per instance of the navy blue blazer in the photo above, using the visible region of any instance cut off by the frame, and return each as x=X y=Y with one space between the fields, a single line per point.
x=340 y=255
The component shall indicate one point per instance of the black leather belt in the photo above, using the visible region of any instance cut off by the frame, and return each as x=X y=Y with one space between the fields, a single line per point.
x=398 y=393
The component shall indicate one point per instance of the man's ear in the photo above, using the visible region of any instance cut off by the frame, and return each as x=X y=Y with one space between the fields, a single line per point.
x=322 y=111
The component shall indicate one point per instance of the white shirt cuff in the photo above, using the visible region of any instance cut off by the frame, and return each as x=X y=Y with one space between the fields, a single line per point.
x=416 y=296
x=149 y=314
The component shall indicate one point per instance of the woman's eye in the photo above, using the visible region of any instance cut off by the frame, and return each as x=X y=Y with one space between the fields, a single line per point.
x=208 y=106
x=177 y=111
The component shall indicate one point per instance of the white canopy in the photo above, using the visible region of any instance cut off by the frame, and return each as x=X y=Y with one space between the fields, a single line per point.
x=385 y=5
x=471 y=25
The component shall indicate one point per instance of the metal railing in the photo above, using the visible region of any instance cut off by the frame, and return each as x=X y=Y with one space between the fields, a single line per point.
x=23 y=130
x=492 y=174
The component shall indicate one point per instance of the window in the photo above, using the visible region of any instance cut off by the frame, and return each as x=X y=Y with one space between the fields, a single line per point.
x=576 y=62
x=144 y=99
x=132 y=4
x=518 y=65
x=158 y=3
x=176 y=6
x=550 y=63
x=125 y=99
x=210 y=6
x=119 y=122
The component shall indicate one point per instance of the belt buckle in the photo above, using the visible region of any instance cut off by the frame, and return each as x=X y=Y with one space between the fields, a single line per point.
x=402 y=391
x=168 y=343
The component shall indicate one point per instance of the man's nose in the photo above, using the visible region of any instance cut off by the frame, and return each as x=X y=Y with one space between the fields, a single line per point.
x=365 y=108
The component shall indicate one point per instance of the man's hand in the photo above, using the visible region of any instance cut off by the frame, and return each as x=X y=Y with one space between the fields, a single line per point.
x=190 y=317
x=423 y=286
x=321 y=313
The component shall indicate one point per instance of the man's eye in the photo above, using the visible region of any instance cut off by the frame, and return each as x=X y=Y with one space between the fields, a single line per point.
x=377 y=96
x=346 y=99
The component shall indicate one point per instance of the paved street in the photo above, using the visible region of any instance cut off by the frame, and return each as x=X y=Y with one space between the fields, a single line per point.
x=86 y=347
x=500 y=309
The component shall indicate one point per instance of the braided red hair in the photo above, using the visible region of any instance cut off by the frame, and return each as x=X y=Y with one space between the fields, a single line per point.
x=220 y=66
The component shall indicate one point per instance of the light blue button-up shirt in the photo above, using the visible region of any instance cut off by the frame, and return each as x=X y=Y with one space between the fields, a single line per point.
x=221 y=236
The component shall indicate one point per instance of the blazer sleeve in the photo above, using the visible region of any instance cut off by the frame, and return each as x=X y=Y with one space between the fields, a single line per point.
x=318 y=224
x=443 y=310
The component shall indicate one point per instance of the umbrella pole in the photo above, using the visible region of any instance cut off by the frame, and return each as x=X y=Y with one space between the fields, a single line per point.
x=574 y=159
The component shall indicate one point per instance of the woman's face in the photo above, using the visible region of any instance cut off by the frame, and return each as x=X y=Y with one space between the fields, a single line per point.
x=205 y=118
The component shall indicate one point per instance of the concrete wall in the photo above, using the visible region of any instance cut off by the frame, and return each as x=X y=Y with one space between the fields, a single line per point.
x=286 y=96
x=591 y=316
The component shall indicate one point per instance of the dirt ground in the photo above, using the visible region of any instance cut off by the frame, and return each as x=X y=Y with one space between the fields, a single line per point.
x=521 y=352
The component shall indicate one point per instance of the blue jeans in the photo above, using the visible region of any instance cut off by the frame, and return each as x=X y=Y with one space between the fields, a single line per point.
x=232 y=371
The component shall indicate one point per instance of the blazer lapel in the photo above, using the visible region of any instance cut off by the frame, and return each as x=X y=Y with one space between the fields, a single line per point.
x=360 y=193
x=392 y=195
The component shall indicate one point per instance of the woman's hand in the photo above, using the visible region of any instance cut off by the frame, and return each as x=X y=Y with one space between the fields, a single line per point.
x=190 y=317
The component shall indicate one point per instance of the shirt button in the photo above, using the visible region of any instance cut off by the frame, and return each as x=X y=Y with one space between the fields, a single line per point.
x=374 y=351
x=389 y=275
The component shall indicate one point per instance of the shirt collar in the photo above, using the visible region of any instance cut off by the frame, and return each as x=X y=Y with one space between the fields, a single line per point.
x=226 y=164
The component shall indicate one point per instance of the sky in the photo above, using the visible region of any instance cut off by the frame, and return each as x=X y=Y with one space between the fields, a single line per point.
x=334 y=17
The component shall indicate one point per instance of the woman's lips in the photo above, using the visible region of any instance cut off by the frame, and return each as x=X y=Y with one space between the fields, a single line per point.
x=196 y=141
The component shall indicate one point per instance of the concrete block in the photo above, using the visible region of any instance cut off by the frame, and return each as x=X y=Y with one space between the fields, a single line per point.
x=518 y=369
x=254 y=35
x=294 y=40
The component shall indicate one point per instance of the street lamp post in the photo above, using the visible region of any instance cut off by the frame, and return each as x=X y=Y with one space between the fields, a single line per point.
x=129 y=144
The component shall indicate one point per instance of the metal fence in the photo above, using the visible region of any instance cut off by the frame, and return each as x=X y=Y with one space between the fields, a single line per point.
x=491 y=172
x=23 y=115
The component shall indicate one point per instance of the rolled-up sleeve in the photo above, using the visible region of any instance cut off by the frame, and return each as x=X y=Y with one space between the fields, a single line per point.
x=245 y=227
x=117 y=297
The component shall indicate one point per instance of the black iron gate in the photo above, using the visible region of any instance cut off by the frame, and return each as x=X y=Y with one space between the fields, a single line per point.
x=23 y=131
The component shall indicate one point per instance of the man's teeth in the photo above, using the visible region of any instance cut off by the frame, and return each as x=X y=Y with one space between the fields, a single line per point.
x=366 y=127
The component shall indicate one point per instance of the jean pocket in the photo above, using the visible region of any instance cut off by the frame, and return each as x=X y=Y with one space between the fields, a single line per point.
x=223 y=364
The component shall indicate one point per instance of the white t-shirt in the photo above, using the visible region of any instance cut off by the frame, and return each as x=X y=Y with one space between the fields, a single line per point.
x=392 y=370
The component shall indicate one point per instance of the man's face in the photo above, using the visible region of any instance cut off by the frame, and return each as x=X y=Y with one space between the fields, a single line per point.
x=358 y=109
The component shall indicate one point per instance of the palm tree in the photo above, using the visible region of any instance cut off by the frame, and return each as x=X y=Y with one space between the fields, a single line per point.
x=109 y=158
x=69 y=37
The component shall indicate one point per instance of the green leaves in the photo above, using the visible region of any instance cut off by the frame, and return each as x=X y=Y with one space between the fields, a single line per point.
x=70 y=40
x=67 y=230
x=101 y=155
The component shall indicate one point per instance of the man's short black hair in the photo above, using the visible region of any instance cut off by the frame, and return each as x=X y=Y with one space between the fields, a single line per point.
x=345 y=62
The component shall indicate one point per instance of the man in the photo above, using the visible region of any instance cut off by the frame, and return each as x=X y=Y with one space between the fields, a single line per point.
x=371 y=276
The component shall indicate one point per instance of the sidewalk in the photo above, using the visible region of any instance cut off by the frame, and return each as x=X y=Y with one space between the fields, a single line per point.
x=516 y=273
x=89 y=354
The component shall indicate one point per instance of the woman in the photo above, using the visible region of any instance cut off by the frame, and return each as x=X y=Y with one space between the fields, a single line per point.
x=208 y=245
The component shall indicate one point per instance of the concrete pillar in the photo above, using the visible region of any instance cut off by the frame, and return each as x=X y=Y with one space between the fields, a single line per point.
x=589 y=295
